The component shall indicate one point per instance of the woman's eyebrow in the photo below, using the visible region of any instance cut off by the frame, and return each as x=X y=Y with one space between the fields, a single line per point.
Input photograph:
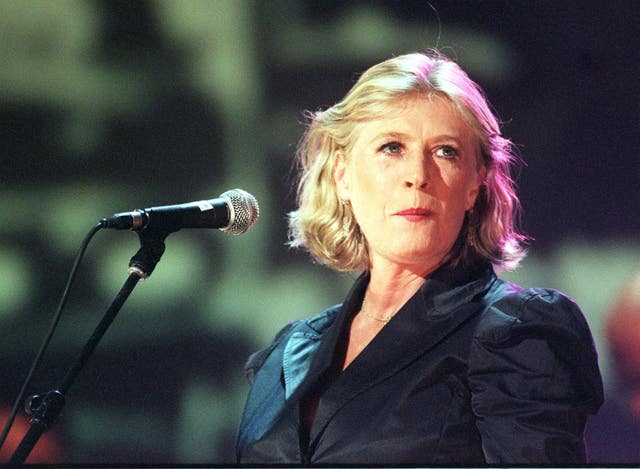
x=445 y=137
x=404 y=136
x=391 y=135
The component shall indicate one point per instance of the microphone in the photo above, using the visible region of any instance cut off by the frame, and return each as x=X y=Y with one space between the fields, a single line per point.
x=234 y=212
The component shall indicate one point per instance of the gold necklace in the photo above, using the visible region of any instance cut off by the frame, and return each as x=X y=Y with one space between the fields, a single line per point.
x=385 y=319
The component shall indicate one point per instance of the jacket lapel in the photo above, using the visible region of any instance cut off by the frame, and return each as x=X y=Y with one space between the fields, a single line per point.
x=299 y=350
x=268 y=398
x=321 y=353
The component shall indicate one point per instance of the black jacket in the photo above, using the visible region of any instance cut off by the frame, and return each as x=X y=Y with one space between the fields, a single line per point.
x=471 y=370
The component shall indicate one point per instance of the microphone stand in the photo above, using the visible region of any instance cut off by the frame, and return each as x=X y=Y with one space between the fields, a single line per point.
x=45 y=408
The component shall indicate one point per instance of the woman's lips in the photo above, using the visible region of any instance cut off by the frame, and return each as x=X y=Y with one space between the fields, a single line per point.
x=414 y=214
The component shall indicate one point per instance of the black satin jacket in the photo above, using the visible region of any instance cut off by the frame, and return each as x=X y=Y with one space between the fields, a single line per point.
x=471 y=370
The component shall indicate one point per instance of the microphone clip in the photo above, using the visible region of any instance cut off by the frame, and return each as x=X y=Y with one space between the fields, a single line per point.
x=151 y=250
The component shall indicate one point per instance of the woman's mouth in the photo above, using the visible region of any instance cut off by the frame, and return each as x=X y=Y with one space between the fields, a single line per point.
x=414 y=214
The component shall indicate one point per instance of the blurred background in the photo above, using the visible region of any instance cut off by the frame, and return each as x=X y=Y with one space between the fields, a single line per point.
x=107 y=106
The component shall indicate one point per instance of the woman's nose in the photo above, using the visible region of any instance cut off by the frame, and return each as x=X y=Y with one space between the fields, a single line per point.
x=416 y=174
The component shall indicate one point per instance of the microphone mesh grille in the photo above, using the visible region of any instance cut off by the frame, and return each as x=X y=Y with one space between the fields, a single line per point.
x=244 y=211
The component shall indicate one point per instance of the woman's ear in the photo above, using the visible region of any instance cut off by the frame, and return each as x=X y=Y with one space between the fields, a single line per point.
x=472 y=195
x=341 y=176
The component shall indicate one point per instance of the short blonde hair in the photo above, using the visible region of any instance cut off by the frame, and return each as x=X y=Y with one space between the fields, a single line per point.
x=327 y=228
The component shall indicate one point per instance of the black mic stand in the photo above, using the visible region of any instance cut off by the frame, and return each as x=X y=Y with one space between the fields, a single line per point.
x=45 y=408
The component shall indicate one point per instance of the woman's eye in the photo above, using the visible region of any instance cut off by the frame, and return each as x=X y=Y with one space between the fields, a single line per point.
x=447 y=152
x=392 y=148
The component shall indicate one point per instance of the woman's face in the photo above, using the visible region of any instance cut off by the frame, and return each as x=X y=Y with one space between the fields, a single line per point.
x=410 y=176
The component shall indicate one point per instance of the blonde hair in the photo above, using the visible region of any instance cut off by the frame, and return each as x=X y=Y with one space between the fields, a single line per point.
x=327 y=228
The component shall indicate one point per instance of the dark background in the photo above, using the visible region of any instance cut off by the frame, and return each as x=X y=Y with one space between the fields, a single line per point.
x=107 y=106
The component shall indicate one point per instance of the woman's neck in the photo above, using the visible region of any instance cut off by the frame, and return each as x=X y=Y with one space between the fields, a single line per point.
x=391 y=286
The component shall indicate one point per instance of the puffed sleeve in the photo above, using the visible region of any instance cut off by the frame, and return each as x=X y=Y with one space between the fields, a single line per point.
x=534 y=377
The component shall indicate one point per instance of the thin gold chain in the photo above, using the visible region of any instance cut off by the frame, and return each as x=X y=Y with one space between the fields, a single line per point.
x=386 y=318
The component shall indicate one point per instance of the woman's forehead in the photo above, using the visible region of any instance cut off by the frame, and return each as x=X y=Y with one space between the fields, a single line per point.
x=415 y=113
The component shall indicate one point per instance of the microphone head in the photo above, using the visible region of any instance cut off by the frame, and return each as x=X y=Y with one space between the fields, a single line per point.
x=243 y=211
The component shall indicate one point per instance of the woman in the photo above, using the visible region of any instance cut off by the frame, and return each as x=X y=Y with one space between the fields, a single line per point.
x=431 y=359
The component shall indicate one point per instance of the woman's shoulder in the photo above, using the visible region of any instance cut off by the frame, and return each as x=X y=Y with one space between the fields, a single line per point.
x=533 y=372
x=313 y=325
x=537 y=329
x=536 y=310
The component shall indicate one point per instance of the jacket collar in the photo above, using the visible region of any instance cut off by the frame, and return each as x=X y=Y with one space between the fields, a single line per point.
x=306 y=358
